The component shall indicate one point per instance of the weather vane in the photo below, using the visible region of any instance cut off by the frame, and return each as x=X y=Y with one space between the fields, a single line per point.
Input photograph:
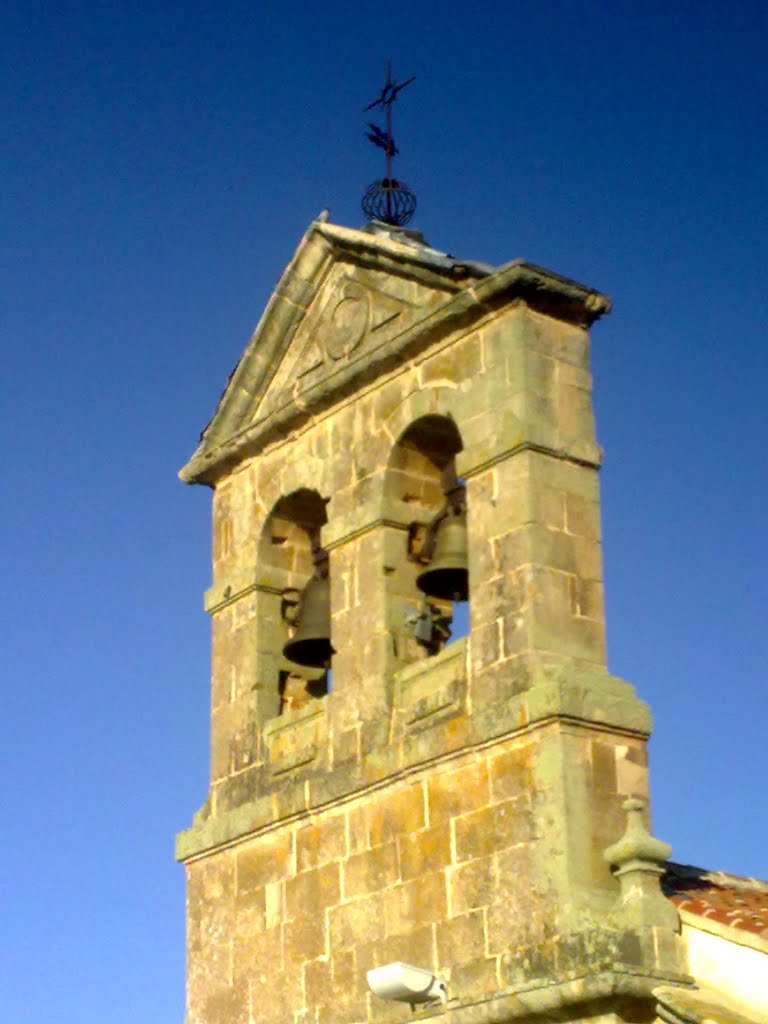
x=388 y=200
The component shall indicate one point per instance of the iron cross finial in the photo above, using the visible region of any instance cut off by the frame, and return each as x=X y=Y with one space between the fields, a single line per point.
x=389 y=91
x=388 y=189
x=385 y=99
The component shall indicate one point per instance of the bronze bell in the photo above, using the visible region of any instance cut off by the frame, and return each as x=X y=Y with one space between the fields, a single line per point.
x=310 y=645
x=447 y=576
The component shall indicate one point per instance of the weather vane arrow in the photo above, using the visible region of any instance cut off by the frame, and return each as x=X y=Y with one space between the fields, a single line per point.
x=382 y=140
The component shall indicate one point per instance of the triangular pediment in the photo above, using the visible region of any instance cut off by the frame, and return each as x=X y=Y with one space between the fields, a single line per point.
x=344 y=296
x=355 y=312
x=350 y=305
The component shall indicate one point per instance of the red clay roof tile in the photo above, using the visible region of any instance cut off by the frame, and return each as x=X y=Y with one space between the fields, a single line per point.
x=729 y=899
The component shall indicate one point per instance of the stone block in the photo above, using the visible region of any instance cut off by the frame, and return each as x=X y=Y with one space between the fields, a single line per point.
x=602 y=760
x=387 y=399
x=358 y=836
x=288 y=797
x=346 y=745
x=228 y=1005
x=563 y=552
x=440 y=738
x=424 y=851
x=490 y=598
x=224 y=722
x=272 y=1004
x=512 y=932
x=504 y=335
x=297 y=739
x=587 y=598
x=548 y=471
x=416 y=946
x=324 y=839
x=553 y=625
x=357 y=922
x=537 y=412
x=451 y=793
x=415 y=903
x=582 y=516
x=493 y=713
x=240 y=790
x=485 y=648
x=460 y=939
x=374 y=734
x=221 y=675
x=251 y=909
x=475 y=977
x=456 y=364
x=566 y=343
x=343 y=1010
x=395 y=812
x=432 y=686
x=305 y=937
x=309 y=892
x=265 y=859
x=211 y=880
x=379 y=762
x=512 y=551
x=511 y=772
x=539 y=372
x=274 y=904
x=346 y=973
x=516 y=637
x=370 y=871
x=515 y=874
x=258 y=953
x=317 y=981
x=492 y=828
x=573 y=407
x=327 y=786
x=471 y=885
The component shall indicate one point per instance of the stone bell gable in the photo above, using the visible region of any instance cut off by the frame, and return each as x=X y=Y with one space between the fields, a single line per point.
x=443 y=803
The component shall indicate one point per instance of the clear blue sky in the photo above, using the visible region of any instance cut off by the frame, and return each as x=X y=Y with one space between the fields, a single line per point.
x=159 y=164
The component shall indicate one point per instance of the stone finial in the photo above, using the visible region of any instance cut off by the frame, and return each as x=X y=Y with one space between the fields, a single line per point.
x=637 y=860
x=637 y=844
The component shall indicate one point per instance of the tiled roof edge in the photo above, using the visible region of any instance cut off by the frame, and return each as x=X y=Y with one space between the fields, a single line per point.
x=683 y=872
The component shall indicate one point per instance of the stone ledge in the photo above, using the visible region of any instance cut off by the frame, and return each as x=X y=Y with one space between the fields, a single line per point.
x=589 y=696
x=226 y=592
x=586 y=699
x=703 y=1006
x=556 y=999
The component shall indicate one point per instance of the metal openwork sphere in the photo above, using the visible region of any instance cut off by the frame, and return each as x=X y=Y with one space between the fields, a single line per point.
x=390 y=201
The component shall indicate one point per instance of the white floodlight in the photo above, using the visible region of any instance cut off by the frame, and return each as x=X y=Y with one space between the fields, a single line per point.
x=407 y=984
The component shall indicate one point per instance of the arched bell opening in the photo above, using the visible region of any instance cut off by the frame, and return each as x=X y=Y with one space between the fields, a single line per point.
x=435 y=578
x=299 y=634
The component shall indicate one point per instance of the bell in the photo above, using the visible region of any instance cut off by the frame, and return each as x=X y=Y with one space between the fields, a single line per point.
x=447 y=576
x=310 y=645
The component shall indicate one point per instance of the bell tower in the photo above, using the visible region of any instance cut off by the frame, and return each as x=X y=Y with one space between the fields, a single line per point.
x=408 y=434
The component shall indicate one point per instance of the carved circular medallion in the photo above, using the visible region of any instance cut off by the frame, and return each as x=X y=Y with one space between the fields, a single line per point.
x=348 y=322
